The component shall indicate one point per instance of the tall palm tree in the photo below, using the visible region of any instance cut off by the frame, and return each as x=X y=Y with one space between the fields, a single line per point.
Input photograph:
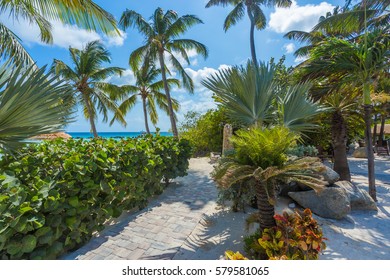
x=255 y=14
x=161 y=35
x=87 y=78
x=31 y=103
x=84 y=13
x=251 y=97
x=360 y=63
x=148 y=87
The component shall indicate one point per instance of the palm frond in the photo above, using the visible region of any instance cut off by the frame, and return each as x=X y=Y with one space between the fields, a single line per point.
x=11 y=47
x=181 y=25
x=31 y=103
x=234 y=16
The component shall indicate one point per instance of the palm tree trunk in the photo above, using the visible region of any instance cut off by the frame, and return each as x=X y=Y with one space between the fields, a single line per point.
x=375 y=130
x=266 y=209
x=382 y=130
x=169 y=100
x=339 y=143
x=370 y=152
x=145 y=115
x=90 y=115
x=252 y=36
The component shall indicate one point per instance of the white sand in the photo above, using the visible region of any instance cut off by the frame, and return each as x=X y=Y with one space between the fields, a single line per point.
x=360 y=236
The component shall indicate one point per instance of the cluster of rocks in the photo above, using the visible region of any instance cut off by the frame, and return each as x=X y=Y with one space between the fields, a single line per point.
x=335 y=201
x=52 y=136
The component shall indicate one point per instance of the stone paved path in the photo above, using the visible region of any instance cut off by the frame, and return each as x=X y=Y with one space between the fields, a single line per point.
x=162 y=229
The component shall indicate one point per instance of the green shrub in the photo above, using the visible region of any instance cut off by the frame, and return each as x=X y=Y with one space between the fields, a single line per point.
x=204 y=132
x=240 y=194
x=296 y=236
x=302 y=151
x=55 y=195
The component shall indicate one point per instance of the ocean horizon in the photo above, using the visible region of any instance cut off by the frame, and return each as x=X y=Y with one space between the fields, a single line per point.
x=117 y=134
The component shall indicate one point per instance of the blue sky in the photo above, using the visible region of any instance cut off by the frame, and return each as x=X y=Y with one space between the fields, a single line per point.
x=231 y=48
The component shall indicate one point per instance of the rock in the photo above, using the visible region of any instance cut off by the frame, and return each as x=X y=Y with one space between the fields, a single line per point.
x=330 y=175
x=292 y=205
x=360 y=199
x=330 y=203
x=290 y=187
x=52 y=136
x=360 y=152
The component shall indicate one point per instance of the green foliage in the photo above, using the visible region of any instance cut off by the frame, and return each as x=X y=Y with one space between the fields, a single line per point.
x=302 y=150
x=263 y=147
x=296 y=236
x=31 y=103
x=55 y=195
x=240 y=194
x=204 y=132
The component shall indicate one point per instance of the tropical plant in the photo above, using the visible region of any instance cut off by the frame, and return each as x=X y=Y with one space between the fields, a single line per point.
x=297 y=236
x=255 y=14
x=162 y=36
x=88 y=80
x=205 y=132
x=260 y=156
x=56 y=194
x=358 y=64
x=84 y=13
x=31 y=103
x=251 y=97
x=148 y=88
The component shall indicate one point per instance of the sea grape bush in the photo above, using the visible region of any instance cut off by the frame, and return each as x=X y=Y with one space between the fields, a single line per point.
x=56 y=194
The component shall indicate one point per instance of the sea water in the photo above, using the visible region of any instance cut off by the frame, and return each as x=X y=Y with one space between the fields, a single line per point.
x=85 y=135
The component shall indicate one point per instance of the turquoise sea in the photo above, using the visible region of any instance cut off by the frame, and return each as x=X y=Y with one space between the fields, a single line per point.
x=85 y=135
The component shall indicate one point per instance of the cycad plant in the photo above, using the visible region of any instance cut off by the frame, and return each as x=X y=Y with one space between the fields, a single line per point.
x=84 y=13
x=148 y=87
x=88 y=79
x=260 y=160
x=162 y=36
x=31 y=103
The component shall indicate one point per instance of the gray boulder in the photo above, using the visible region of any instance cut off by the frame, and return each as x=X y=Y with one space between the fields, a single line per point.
x=330 y=203
x=360 y=152
x=360 y=199
x=330 y=175
x=290 y=187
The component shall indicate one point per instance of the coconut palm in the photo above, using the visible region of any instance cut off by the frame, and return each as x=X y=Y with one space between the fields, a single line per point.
x=255 y=14
x=161 y=35
x=359 y=64
x=148 y=87
x=83 y=13
x=31 y=103
x=260 y=160
x=88 y=79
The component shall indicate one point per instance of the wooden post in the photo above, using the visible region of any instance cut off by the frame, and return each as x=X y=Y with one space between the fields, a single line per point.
x=227 y=134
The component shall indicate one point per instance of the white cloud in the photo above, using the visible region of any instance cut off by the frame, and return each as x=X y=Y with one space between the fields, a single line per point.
x=199 y=75
x=64 y=35
x=127 y=78
x=289 y=48
x=302 y=18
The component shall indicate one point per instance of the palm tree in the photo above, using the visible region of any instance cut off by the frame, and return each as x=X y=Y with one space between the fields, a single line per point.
x=161 y=36
x=259 y=101
x=84 y=13
x=88 y=80
x=251 y=97
x=31 y=103
x=148 y=87
x=260 y=160
x=359 y=64
x=255 y=14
